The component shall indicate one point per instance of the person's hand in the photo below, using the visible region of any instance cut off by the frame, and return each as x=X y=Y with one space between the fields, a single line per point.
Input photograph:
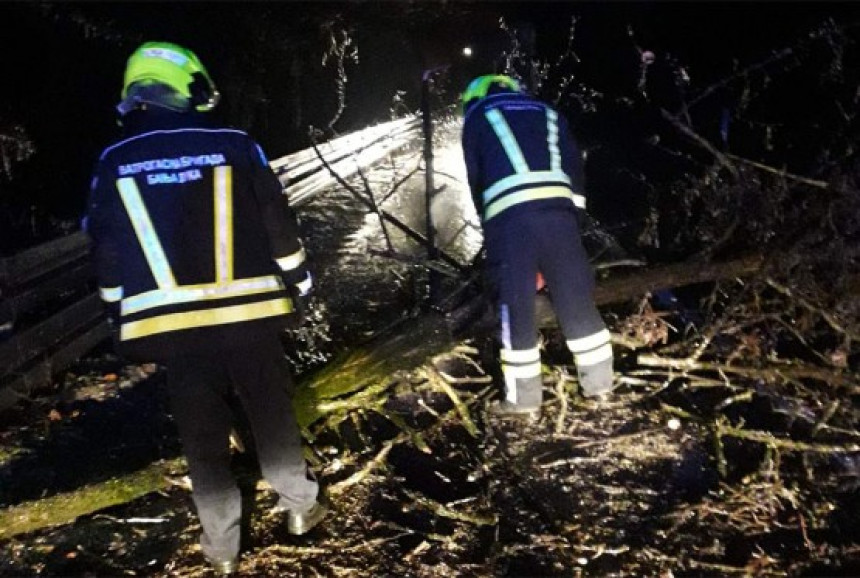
x=300 y=294
x=299 y=305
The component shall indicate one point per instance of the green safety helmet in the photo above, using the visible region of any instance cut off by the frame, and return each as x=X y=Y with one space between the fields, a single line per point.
x=168 y=75
x=480 y=88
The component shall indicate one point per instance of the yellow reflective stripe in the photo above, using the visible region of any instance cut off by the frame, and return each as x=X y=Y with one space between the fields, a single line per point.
x=204 y=318
x=189 y=293
x=223 y=223
x=534 y=194
x=290 y=262
x=589 y=341
x=110 y=294
x=520 y=355
x=509 y=142
x=145 y=232
x=521 y=371
x=594 y=357
x=552 y=139
x=531 y=178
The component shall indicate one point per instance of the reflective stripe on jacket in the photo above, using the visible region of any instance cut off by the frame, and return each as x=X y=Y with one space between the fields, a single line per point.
x=192 y=232
x=519 y=150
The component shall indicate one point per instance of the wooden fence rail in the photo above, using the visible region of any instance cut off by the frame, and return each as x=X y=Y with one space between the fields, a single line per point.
x=48 y=302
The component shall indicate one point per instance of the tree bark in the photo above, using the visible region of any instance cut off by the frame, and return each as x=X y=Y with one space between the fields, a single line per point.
x=360 y=377
x=672 y=275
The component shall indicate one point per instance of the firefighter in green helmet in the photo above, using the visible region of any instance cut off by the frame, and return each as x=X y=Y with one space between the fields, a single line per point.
x=200 y=263
x=526 y=178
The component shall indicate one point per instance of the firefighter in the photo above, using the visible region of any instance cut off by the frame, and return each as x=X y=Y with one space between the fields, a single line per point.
x=526 y=177
x=200 y=263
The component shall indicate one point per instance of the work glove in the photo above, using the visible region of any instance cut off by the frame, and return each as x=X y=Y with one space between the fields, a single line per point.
x=300 y=294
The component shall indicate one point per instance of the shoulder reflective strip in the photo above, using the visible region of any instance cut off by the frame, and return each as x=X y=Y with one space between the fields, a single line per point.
x=552 y=140
x=110 y=294
x=521 y=371
x=290 y=262
x=594 y=356
x=589 y=342
x=518 y=180
x=187 y=294
x=305 y=285
x=535 y=194
x=520 y=355
x=204 y=318
x=146 y=236
x=223 y=224
x=509 y=142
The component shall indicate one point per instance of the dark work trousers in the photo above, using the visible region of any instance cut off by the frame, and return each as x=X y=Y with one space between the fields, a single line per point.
x=199 y=386
x=520 y=243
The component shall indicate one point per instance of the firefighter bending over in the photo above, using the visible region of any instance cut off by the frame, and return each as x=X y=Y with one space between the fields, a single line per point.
x=526 y=177
x=200 y=263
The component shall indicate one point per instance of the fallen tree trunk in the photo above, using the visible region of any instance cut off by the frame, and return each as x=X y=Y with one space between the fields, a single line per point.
x=356 y=380
x=626 y=286
x=407 y=347
x=64 y=508
x=673 y=275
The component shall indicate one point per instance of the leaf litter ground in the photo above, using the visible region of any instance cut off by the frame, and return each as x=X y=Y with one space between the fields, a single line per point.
x=423 y=483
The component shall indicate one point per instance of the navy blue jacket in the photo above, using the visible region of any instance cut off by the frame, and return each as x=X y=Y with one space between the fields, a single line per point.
x=519 y=153
x=193 y=237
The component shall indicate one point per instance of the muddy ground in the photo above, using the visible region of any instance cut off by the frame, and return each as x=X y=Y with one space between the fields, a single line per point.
x=422 y=483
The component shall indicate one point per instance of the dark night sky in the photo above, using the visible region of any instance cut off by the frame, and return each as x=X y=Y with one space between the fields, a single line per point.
x=63 y=61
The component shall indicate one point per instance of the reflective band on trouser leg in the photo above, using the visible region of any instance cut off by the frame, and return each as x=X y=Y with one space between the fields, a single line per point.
x=599 y=355
x=224 y=224
x=591 y=349
x=204 y=318
x=518 y=364
x=145 y=232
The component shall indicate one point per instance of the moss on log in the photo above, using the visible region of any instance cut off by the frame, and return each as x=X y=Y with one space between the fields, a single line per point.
x=66 y=507
x=410 y=345
x=356 y=379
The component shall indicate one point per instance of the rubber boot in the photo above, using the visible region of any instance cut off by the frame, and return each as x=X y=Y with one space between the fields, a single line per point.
x=593 y=357
x=596 y=380
x=522 y=401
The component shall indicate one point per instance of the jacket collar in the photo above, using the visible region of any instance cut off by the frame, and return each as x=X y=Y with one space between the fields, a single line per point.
x=141 y=121
x=496 y=98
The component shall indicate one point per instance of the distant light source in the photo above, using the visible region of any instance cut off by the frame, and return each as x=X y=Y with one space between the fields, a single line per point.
x=467 y=51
